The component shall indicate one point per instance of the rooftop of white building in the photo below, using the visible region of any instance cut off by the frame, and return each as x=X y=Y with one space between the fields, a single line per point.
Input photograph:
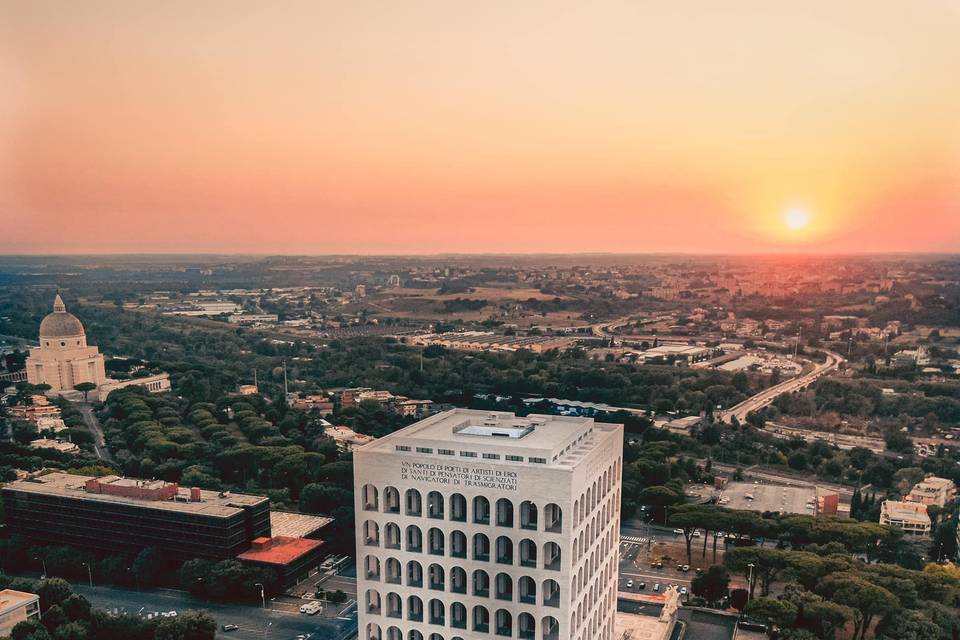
x=548 y=439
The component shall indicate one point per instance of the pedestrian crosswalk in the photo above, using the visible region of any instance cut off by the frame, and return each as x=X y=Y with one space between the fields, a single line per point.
x=633 y=539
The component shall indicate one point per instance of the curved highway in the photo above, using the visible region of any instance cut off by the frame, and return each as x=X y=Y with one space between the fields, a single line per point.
x=768 y=395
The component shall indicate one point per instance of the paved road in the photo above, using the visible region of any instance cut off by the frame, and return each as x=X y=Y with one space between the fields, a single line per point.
x=768 y=395
x=253 y=621
x=99 y=443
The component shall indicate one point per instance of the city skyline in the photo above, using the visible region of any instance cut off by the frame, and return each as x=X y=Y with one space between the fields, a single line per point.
x=359 y=129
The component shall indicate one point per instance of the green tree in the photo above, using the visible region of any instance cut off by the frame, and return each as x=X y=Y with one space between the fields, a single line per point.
x=776 y=613
x=53 y=591
x=712 y=584
x=85 y=388
x=71 y=631
x=192 y=625
x=866 y=600
x=907 y=625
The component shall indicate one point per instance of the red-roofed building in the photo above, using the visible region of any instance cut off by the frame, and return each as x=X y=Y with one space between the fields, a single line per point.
x=291 y=558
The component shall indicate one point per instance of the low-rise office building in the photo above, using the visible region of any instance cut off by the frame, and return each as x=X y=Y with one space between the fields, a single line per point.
x=126 y=515
x=17 y=607
x=912 y=517
x=933 y=490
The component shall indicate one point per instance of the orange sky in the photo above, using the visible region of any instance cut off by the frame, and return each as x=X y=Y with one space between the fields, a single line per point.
x=496 y=126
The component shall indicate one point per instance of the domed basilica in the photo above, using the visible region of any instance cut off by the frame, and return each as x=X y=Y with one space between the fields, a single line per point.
x=64 y=360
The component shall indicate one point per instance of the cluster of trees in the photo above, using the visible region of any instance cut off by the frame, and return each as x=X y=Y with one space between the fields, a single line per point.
x=832 y=596
x=69 y=616
x=226 y=580
x=785 y=530
x=146 y=569
x=921 y=405
x=244 y=444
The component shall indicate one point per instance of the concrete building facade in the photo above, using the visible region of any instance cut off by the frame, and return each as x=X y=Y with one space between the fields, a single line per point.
x=933 y=490
x=472 y=524
x=911 y=517
x=17 y=607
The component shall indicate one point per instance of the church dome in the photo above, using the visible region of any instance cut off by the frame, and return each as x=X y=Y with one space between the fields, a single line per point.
x=60 y=324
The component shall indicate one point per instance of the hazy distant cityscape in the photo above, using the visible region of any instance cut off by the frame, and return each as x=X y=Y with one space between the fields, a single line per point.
x=298 y=416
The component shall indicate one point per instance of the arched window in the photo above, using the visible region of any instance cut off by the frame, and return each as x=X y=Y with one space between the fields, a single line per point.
x=414 y=609
x=481 y=547
x=371 y=533
x=503 y=587
x=371 y=566
x=504 y=550
x=527 y=626
x=414 y=503
x=394 y=633
x=504 y=623
x=391 y=500
x=458 y=580
x=528 y=553
x=504 y=513
x=481 y=510
x=458 y=544
x=437 y=612
x=551 y=556
x=392 y=570
x=553 y=518
x=528 y=515
x=414 y=539
x=434 y=505
x=549 y=628
x=394 y=606
x=481 y=619
x=481 y=584
x=435 y=542
x=458 y=508
x=372 y=600
x=373 y=632
x=527 y=590
x=371 y=499
x=414 y=574
x=551 y=593
x=458 y=615
x=391 y=534
x=435 y=577
x=413 y=634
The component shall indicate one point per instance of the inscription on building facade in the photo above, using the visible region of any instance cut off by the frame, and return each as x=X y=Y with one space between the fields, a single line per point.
x=459 y=475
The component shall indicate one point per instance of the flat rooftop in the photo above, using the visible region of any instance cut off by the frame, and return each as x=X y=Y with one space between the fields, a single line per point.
x=296 y=525
x=67 y=485
x=11 y=599
x=747 y=496
x=559 y=440
x=279 y=549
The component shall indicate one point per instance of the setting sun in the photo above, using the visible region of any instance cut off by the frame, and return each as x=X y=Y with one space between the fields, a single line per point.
x=797 y=218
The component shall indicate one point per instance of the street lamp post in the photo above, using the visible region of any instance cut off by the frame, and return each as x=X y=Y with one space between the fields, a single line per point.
x=43 y=563
x=266 y=630
x=750 y=579
x=89 y=573
x=263 y=597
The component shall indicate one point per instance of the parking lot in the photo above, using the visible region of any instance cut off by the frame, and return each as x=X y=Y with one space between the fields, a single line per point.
x=769 y=497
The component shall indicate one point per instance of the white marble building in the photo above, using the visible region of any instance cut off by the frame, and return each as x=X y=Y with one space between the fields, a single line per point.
x=473 y=524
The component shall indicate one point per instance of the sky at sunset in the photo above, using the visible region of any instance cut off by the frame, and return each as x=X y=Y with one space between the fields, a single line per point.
x=497 y=126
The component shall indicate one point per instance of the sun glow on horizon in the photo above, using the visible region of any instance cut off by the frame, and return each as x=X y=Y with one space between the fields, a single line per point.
x=797 y=218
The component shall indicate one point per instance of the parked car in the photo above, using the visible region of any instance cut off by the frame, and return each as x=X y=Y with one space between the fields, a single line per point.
x=641 y=585
x=656 y=587
x=229 y=627
x=630 y=584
